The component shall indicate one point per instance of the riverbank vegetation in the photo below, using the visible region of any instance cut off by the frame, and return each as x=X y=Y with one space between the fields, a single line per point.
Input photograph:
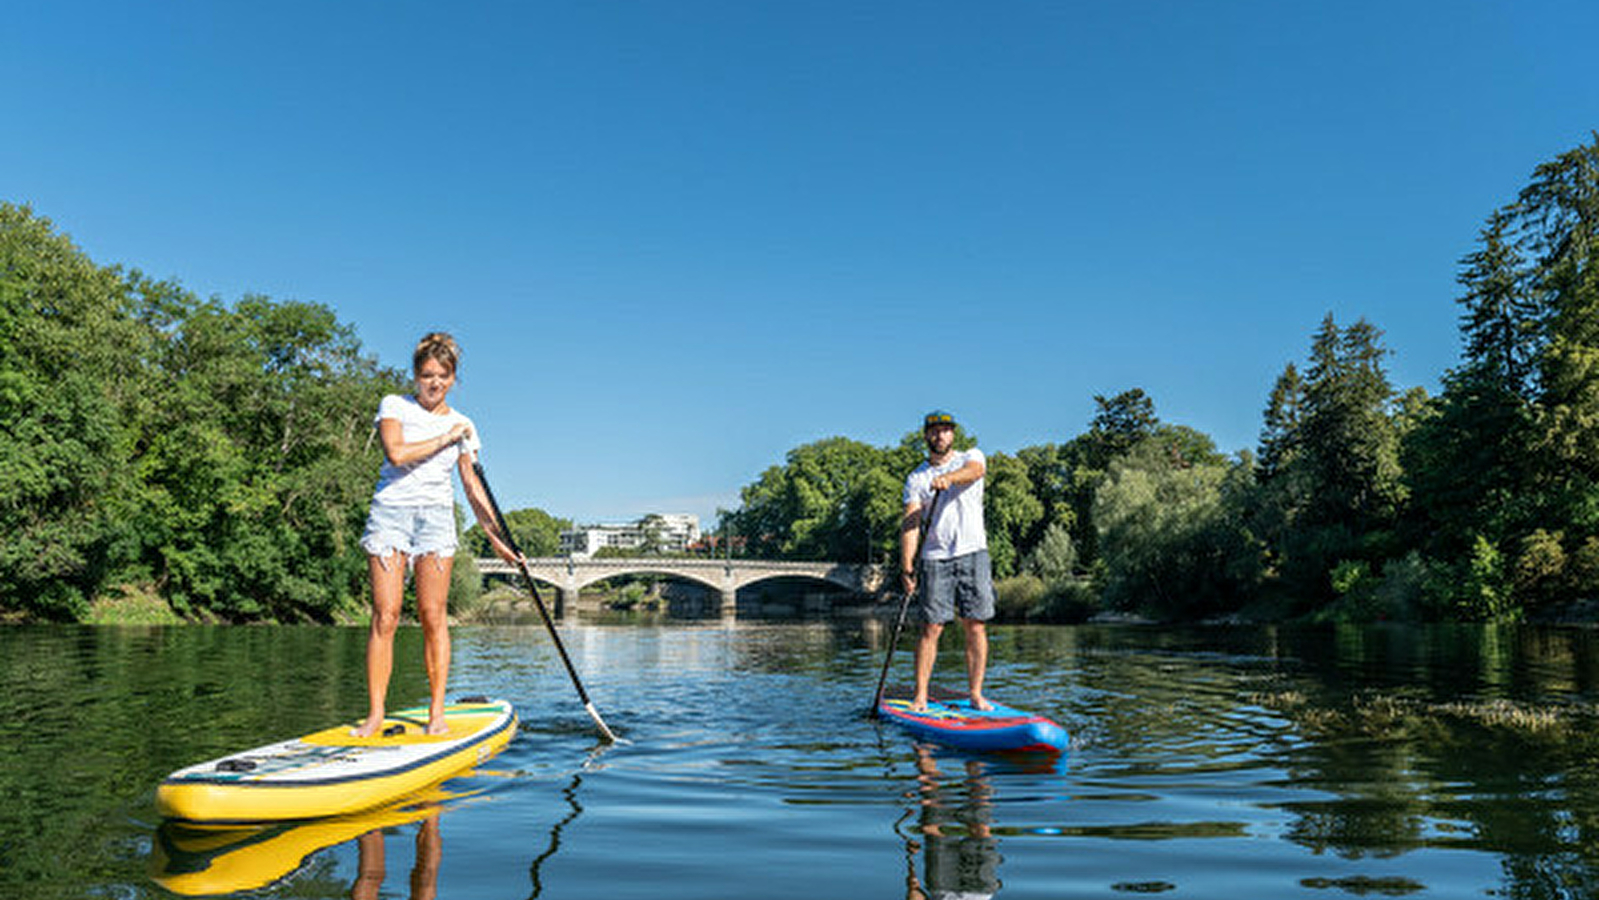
x=1363 y=501
x=220 y=457
x=217 y=455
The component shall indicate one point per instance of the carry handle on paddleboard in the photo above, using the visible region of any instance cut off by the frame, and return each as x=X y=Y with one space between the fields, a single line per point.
x=549 y=624
x=905 y=603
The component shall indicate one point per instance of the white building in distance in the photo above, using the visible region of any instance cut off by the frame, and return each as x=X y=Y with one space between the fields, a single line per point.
x=658 y=533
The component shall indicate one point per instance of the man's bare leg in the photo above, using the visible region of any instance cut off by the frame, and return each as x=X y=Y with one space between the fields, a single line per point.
x=926 y=655
x=976 y=661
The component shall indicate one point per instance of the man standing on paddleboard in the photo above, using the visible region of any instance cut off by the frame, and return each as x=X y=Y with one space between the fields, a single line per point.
x=948 y=489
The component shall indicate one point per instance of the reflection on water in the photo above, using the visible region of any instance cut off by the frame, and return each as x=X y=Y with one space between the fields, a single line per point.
x=197 y=860
x=954 y=817
x=372 y=868
x=570 y=794
x=1237 y=762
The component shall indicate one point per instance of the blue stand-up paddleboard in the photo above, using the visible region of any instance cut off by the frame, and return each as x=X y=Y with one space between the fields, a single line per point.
x=332 y=773
x=950 y=720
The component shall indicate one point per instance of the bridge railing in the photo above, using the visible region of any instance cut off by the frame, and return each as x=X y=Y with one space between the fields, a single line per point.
x=723 y=574
x=496 y=565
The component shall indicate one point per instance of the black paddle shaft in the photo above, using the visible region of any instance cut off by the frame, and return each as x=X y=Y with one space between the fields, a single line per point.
x=904 y=604
x=538 y=601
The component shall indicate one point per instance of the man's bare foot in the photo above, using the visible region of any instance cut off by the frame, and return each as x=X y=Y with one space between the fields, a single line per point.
x=372 y=725
x=980 y=704
x=919 y=705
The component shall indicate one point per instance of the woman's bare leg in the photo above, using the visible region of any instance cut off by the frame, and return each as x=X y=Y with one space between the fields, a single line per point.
x=388 y=590
x=432 y=607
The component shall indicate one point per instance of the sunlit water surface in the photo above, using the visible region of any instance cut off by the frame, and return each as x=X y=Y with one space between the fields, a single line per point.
x=1221 y=763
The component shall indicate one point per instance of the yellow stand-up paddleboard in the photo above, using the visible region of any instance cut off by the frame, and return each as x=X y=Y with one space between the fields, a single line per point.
x=332 y=773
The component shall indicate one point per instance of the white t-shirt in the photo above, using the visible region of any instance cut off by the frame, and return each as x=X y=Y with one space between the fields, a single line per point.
x=426 y=483
x=957 y=525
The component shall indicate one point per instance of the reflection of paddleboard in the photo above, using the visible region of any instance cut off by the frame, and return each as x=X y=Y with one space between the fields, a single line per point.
x=330 y=773
x=195 y=859
x=951 y=720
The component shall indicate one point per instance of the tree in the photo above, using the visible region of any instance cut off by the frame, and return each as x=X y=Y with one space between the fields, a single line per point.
x=1559 y=212
x=71 y=383
x=1121 y=423
x=1284 y=414
x=1010 y=510
x=1500 y=325
x=828 y=501
x=1051 y=476
x=1054 y=559
x=258 y=463
x=535 y=531
x=1170 y=535
x=1332 y=487
x=1506 y=467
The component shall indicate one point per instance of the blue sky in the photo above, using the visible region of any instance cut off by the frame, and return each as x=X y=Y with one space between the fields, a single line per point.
x=678 y=239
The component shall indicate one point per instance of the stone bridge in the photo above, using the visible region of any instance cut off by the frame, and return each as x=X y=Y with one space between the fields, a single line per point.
x=569 y=576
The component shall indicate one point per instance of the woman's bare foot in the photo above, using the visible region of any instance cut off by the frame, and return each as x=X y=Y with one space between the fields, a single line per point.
x=372 y=725
x=437 y=727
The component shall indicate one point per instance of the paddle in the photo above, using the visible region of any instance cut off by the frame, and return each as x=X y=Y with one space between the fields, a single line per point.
x=904 y=604
x=549 y=624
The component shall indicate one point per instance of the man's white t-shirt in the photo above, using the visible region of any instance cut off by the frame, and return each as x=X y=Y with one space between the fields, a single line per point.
x=426 y=483
x=957 y=525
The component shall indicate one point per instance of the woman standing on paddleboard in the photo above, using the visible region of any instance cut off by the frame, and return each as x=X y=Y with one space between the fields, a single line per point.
x=412 y=522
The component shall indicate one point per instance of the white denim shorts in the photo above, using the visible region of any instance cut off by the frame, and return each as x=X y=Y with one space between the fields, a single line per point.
x=413 y=530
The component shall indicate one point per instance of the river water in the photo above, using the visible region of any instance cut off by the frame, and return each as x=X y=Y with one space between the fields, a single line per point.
x=1240 y=762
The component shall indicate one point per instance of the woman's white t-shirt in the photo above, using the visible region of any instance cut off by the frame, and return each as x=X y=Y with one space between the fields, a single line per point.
x=426 y=483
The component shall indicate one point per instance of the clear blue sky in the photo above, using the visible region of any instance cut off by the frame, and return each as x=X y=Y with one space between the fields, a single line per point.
x=678 y=239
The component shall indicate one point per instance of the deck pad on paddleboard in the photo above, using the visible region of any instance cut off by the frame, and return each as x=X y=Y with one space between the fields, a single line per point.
x=331 y=772
x=950 y=719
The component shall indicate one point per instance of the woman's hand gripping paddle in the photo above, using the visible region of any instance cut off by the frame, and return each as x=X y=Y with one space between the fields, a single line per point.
x=549 y=624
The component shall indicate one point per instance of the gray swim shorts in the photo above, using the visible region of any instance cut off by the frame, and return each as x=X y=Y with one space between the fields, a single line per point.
x=961 y=586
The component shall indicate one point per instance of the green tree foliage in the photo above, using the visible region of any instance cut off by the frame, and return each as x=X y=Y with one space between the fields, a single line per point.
x=70 y=382
x=1010 y=511
x=842 y=499
x=1054 y=558
x=1283 y=416
x=817 y=505
x=1123 y=421
x=1072 y=473
x=1482 y=503
x=1051 y=474
x=1330 y=474
x=224 y=454
x=1171 y=538
x=1560 y=215
x=536 y=532
x=834 y=499
x=260 y=461
x=1505 y=467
